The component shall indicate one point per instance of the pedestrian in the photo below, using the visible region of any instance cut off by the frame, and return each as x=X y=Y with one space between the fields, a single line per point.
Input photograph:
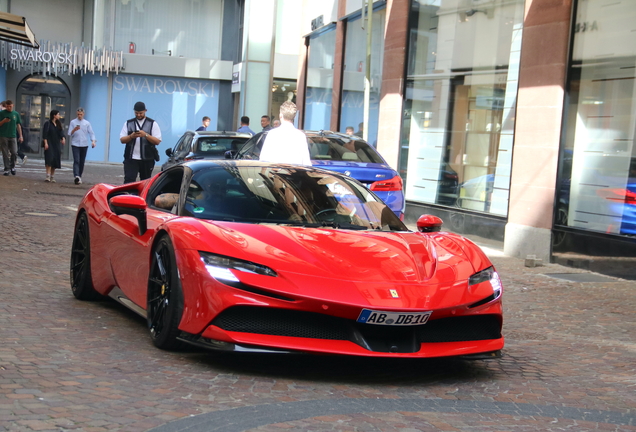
x=360 y=132
x=24 y=147
x=286 y=144
x=349 y=130
x=53 y=140
x=81 y=132
x=10 y=127
x=245 y=126
x=205 y=122
x=275 y=123
x=265 y=123
x=141 y=135
x=23 y=157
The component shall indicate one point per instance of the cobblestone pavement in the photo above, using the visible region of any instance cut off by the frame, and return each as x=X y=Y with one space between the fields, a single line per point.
x=569 y=361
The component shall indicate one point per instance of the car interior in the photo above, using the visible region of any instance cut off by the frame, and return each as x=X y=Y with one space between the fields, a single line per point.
x=164 y=194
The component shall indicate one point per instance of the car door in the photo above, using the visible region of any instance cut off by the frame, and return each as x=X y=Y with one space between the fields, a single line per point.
x=180 y=150
x=130 y=250
x=252 y=148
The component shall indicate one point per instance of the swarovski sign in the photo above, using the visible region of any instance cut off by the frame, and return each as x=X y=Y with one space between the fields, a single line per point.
x=42 y=56
x=57 y=58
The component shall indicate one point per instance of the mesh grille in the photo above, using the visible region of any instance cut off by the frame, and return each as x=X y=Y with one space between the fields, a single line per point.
x=281 y=322
x=458 y=329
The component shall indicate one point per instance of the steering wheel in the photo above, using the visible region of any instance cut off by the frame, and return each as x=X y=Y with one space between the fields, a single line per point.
x=327 y=215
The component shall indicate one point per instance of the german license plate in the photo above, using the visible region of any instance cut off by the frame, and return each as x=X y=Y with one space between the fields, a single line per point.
x=368 y=316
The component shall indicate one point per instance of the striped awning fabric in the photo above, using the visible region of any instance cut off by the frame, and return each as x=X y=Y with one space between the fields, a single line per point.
x=14 y=28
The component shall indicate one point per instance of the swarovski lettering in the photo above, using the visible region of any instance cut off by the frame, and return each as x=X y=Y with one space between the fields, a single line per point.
x=42 y=56
x=163 y=86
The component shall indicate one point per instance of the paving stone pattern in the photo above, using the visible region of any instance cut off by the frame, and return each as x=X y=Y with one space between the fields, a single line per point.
x=569 y=361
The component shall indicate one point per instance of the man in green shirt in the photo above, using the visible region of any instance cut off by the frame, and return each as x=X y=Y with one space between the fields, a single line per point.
x=10 y=124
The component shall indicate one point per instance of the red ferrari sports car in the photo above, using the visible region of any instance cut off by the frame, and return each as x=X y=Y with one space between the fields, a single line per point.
x=251 y=256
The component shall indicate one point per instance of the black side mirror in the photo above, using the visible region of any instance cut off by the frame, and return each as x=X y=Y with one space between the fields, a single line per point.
x=230 y=154
x=169 y=152
x=132 y=205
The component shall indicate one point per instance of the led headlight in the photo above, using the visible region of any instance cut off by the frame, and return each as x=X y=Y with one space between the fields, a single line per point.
x=219 y=267
x=489 y=275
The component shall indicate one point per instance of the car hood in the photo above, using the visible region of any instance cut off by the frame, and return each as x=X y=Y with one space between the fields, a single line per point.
x=365 y=256
x=355 y=267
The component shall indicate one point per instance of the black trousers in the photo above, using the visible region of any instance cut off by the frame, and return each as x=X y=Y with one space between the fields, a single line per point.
x=132 y=167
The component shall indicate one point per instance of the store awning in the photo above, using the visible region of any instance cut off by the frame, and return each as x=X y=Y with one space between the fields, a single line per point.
x=14 y=28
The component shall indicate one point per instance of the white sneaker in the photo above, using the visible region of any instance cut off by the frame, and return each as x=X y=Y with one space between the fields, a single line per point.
x=78 y=180
x=24 y=159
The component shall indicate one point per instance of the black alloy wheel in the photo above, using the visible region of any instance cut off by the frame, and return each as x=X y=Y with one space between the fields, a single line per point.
x=81 y=278
x=165 y=298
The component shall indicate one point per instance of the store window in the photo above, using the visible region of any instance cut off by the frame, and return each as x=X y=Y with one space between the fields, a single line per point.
x=462 y=73
x=597 y=185
x=352 y=113
x=188 y=28
x=282 y=91
x=37 y=96
x=320 y=79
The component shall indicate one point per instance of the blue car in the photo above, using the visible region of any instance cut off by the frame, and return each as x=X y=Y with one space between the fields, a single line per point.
x=348 y=155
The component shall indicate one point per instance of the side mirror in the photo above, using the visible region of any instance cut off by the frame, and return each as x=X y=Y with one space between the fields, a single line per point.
x=132 y=205
x=429 y=223
x=169 y=152
x=230 y=154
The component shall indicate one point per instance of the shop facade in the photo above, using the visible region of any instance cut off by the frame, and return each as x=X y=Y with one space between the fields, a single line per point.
x=512 y=120
x=91 y=56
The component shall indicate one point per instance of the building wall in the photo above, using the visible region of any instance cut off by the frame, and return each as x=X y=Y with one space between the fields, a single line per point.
x=177 y=104
x=54 y=20
x=538 y=128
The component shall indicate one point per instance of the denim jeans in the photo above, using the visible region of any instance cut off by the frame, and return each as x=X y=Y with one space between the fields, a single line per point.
x=79 y=157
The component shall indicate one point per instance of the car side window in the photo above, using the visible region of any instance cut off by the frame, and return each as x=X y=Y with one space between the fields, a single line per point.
x=252 y=149
x=164 y=194
x=184 y=148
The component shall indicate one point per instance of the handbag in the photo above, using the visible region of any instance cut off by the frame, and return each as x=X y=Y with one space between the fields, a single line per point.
x=155 y=153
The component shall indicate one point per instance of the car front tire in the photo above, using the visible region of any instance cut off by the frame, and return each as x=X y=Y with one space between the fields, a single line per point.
x=165 y=298
x=80 y=272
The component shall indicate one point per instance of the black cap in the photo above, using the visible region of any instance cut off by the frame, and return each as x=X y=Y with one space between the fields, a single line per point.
x=140 y=106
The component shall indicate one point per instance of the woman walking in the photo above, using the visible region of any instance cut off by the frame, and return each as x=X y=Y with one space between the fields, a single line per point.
x=53 y=138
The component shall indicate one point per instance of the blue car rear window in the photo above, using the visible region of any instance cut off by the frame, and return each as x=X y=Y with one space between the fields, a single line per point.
x=345 y=150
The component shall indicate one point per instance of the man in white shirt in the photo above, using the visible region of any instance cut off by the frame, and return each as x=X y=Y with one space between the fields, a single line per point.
x=80 y=131
x=141 y=136
x=286 y=144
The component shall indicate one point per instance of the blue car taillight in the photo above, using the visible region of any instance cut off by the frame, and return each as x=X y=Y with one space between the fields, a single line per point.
x=394 y=184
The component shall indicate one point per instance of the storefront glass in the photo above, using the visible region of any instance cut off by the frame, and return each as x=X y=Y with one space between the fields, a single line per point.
x=320 y=80
x=462 y=73
x=352 y=113
x=597 y=183
x=188 y=28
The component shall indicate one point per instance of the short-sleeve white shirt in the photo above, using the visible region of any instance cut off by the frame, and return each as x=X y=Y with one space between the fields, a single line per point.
x=286 y=144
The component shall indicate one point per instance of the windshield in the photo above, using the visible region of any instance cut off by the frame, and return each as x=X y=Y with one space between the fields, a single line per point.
x=217 y=146
x=290 y=196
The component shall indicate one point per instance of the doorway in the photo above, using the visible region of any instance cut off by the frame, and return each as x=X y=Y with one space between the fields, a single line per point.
x=37 y=96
